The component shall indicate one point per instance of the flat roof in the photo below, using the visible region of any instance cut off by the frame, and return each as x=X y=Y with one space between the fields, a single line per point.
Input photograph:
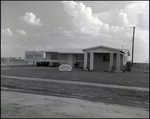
x=81 y=51
x=66 y=51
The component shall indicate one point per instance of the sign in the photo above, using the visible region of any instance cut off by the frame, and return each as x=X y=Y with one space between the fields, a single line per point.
x=33 y=55
x=65 y=67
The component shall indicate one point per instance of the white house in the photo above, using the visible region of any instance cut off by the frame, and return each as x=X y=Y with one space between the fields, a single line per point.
x=96 y=58
x=104 y=57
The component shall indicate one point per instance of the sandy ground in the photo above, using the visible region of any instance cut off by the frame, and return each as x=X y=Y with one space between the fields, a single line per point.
x=19 y=105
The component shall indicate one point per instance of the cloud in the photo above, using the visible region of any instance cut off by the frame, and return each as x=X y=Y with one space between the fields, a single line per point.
x=31 y=19
x=39 y=48
x=132 y=10
x=38 y=35
x=22 y=47
x=59 y=28
x=83 y=19
x=143 y=18
x=68 y=33
x=91 y=25
x=105 y=28
x=142 y=35
x=7 y=32
x=74 y=45
x=127 y=16
x=22 y=32
x=114 y=24
x=36 y=48
x=122 y=19
x=5 y=47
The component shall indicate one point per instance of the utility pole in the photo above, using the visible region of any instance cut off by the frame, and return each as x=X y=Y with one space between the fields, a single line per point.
x=133 y=44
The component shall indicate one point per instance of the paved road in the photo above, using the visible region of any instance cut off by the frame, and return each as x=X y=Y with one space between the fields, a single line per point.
x=78 y=83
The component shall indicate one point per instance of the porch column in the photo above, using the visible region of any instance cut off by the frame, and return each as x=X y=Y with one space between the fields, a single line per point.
x=44 y=55
x=111 y=61
x=85 y=60
x=91 y=60
x=118 y=62
x=123 y=60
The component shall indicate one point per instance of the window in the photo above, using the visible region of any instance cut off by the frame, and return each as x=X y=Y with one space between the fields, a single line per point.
x=63 y=57
x=80 y=57
x=53 y=56
x=106 y=58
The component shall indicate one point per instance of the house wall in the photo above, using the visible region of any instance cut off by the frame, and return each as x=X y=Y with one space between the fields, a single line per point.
x=70 y=60
x=66 y=58
x=121 y=61
x=80 y=59
x=48 y=56
x=62 y=58
x=99 y=63
x=74 y=59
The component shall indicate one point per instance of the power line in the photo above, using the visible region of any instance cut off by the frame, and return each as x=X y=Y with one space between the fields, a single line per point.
x=128 y=44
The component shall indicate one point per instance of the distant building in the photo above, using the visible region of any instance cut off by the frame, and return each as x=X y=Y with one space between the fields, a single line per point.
x=96 y=58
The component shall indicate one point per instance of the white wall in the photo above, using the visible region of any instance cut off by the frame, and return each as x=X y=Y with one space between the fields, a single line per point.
x=70 y=60
x=99 y=63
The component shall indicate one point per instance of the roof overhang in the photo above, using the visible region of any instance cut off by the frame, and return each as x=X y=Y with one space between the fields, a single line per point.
x=71 y=52
x=101 y=46
x=122 y=51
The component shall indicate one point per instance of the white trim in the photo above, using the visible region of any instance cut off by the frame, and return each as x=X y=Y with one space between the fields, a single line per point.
x=85 y=60
x=111 y=61
x=91 y=60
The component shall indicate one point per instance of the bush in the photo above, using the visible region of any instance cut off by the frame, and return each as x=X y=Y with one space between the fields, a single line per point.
x=56 y=64
x=38 y=64
x=76 y=65
x=123 y=68
x=46 y=64
x=113 y=68
x=128 y=66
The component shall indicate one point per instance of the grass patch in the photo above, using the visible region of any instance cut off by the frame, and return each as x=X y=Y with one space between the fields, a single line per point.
x=134 y=78
x=91 y=93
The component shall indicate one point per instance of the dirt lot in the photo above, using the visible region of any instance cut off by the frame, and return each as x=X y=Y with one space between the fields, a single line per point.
x=25 y=105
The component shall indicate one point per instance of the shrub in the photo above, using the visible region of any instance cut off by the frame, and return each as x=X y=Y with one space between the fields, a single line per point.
x=46 y=64
x=56 y=64
x=42 y=63
x=124 y=68
x=87 y=67
x=76 y=65
x=113 y=68
x=128 y=66
x=38 y=64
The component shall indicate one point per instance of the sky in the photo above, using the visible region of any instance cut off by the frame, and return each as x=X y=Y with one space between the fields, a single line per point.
x=48 y=25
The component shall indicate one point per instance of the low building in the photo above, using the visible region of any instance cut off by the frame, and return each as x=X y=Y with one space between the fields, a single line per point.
x=94 y=58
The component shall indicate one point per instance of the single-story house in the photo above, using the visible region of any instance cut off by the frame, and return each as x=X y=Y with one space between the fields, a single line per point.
x=95 y=58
